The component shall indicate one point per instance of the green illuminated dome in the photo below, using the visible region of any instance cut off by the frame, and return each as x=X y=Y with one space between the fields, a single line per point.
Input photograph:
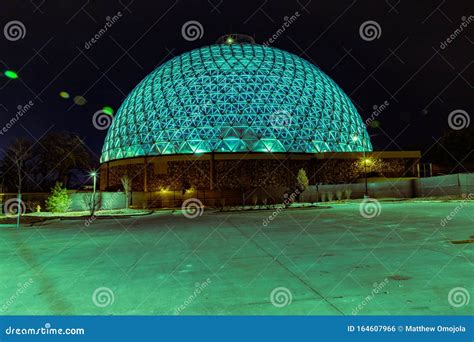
x=235 y=98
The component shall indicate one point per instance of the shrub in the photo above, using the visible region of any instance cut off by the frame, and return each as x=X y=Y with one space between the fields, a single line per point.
x=58 y=201
x=302 y=180
x=323 y=197
x=339 y=195
x=330 y=196
x=348 y=193
x=127 y=188
x=254 y=200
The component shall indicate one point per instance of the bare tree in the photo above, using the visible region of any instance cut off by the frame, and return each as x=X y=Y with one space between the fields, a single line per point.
x=91 y=201
x=14 y=162
x=16 y=156
x=60 y=153
x=127 y=188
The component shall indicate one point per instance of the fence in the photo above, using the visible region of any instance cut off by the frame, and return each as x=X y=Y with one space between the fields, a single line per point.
x=171 y=199
x=449 y=185
x=106 y=200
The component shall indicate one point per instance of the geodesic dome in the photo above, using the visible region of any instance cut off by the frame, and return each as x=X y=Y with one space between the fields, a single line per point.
x=235 y=98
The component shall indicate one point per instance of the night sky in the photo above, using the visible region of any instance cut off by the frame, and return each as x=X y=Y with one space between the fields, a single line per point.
x=405 y=66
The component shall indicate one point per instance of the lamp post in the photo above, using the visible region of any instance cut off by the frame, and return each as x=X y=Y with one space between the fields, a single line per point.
x=93 y=201
x=18 y=212
x=355 y=138
x=94 y=176
x=365 y=174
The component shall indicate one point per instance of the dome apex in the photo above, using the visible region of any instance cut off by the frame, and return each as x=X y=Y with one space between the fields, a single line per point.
x=235 y=38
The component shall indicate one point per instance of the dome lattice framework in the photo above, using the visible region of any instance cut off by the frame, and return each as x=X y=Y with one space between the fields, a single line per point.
x=235 y=98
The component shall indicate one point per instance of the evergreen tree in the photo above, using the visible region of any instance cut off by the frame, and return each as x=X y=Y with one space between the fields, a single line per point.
x=302 y=180
x=58 y=201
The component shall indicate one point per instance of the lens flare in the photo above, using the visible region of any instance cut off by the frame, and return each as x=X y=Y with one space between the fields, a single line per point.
x=108 y=110
x=79 y=100
x=64 y=95
x=11 y=74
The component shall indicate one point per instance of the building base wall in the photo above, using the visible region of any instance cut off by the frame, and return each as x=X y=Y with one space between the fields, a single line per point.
x=241 y=172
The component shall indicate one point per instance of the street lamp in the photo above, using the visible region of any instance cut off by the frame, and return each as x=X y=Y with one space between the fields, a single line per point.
x=355 y=138
x=93 y=203
x=94 y=176
x=366 y=160
x=18 y=213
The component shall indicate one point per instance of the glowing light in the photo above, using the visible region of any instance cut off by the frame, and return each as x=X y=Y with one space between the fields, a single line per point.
x=235 y=98
x=11 y=74
x=108 y=110
x=367 y=161
x=375 y=124
x=229 y=40
x=79 y=100
x=64 y=95
x=93 y=173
